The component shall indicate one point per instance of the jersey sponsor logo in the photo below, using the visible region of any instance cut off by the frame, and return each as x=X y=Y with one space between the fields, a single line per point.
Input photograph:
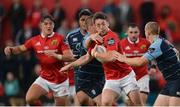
x=38 y=44
x=75 y=39
x=143 y=47
x=46 y=47
x=135 y=51
x=127 y=48
x=111 y=41
x=151 y=50
x=54 y=42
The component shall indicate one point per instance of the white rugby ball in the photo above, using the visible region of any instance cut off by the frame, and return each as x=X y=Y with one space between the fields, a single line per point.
x=100 y=49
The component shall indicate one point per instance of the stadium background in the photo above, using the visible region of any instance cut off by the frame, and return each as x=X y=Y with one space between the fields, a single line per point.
x=70 y=7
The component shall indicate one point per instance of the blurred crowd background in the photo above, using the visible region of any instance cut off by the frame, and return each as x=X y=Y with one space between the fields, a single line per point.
x=19 y=21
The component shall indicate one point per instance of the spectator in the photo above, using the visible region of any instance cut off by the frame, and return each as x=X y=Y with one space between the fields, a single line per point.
x=126 y=12
x=11 y=85
x=168 y=24
x=59 y=14
x=147 y=12
x=35 y=15
x=1 y=18
x=112 y=12
x=17 y=16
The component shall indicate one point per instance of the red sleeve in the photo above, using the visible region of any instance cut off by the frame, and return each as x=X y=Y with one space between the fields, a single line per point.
x=63 y=44
x=91 y=47
x=111 y=42
x=28 y=43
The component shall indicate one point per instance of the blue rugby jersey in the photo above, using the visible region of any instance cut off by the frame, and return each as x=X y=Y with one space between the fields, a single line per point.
x=74 y=39
x=166 y=58
x=94 y=66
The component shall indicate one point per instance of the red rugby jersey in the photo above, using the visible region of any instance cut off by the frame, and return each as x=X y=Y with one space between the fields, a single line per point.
x=136 y=50
x=50 y=65
x=113 y=70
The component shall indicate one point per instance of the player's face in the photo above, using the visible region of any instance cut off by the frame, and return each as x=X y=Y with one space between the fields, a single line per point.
x=133 y=33
x=47 y=27
x=91 y=29
x=82 y=23
x=148 y=36
x=102 y=26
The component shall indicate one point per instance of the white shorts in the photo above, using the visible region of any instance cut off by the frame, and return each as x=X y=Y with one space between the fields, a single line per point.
x=143 y=83
x=72 y=90
x=59 y=90
x=126 y=84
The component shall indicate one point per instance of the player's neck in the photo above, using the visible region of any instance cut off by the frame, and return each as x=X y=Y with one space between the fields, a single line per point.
x=83 y=32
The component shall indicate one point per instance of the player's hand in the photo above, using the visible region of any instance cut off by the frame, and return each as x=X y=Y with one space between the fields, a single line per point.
x=97 y=38
x=113 y=55
x=152 y=71
x=65 y=68
x=8 y=50
x=121 y=57
x=93 y=51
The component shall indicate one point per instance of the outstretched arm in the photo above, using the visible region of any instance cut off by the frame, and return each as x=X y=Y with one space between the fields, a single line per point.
x=66 y=56
x=79 y=62
x=108 y=56
x=15 y=50
x=137 y=61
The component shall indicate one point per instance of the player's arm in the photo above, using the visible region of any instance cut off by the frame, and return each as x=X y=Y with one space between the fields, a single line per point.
x=15 y=49
x=93 y=37
x=79 y=62
x=65 y=56
x=137 y=61
x=108 y=56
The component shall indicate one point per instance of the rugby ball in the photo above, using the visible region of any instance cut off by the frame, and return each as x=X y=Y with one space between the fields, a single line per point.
x=100 y=49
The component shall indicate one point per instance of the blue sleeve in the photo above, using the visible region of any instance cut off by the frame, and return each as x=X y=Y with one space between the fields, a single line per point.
x=154 y=50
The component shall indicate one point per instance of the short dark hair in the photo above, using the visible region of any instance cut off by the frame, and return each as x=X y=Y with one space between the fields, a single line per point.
x=133 y=25
x=100 y=15
x=48 y=16
x=86 y=12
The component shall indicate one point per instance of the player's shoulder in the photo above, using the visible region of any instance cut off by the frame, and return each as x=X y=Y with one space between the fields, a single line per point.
x=73 y=32
x=144 y=40
x=124 y=40
x=36 y=37
x=157 y=43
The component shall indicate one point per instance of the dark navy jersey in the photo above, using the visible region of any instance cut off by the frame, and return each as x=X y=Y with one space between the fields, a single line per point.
x=94 y=66
x=74 y=39
x=166 y=58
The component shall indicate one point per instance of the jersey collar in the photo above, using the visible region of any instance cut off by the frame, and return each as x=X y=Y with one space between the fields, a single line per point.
x=48 y=36
x=131 y=41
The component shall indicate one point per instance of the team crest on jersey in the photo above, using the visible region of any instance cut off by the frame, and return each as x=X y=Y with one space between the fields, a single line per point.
x=111 y=41
x=54 y=42
x=143 y=47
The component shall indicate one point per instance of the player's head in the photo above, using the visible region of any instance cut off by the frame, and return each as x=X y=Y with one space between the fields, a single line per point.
x=90 y=25
x=101 y=23
x=85 y=13
x=47 y=25
x=133 y=32
x=152 y=30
